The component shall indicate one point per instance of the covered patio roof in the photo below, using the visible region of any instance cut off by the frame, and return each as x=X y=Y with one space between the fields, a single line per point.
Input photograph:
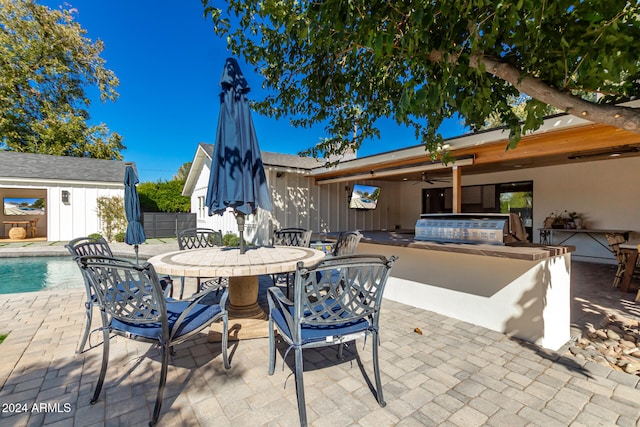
x=561 y=139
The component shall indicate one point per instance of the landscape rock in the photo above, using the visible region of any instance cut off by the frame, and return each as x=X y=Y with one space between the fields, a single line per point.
x=615 y=343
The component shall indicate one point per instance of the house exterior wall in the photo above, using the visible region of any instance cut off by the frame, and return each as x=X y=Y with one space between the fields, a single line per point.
x=299 y=202
x=226 y=222
x=63 y=222
x=604 y=191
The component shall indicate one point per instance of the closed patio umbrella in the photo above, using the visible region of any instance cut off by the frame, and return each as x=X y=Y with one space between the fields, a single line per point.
x=237 y=177
x=135 y=232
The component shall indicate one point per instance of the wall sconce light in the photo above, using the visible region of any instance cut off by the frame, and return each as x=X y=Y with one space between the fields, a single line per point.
x=65 y=197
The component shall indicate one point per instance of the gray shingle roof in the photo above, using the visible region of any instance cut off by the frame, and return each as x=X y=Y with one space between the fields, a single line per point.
x=42 y=166
x=278 y=159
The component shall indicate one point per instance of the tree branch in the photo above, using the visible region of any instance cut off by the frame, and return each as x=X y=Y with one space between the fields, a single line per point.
x=622 y=117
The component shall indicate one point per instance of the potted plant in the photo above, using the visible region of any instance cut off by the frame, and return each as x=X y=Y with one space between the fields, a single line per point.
x=575 y=219
x=559 y=221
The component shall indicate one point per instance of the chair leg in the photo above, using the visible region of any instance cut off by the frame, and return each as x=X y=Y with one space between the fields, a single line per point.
x=105 y=360
x=169 y=281
x=163 y=382
x=89 y=307
x=302 y=408
x=272 y=348
x=376 y=369
x=225 y=337
x=619 y=274
x=181 y=287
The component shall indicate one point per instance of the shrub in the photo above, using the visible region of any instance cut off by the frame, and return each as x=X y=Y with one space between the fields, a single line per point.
x=119 y=237
x=230 y=239
x=94 y=236
x=112 y=216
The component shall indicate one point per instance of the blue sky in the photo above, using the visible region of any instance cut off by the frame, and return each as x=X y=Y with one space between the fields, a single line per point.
x=169 y=62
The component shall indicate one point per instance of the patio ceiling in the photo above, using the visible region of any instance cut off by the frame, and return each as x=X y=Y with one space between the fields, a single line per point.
x=580 y=142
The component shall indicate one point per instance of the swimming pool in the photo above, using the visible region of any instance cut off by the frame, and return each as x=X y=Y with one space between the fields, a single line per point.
x=30 y=274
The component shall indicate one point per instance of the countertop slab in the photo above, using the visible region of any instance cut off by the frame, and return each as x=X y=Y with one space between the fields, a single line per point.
x=404 y=238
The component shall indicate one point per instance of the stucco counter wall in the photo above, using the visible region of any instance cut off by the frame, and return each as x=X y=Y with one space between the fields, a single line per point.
x=520 y=291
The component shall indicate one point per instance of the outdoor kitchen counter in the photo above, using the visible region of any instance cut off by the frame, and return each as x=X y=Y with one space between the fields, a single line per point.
x=523 y=251
x=520 y=290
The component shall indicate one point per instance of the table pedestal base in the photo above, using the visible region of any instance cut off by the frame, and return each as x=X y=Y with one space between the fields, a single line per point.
x=247 y=320
x=243 y=298
x=240 y=329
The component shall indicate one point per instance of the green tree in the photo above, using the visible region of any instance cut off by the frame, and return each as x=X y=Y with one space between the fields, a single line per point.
x=39 y=203
x=163 y=196
x=183 y=172
x=46 y=65
x=348 y=63
x=519 y=107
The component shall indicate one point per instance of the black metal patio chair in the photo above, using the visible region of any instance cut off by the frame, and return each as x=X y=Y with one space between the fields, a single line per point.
x=329 y=310
x=197 y=238
x=347 y=243
x=132 y=305
x=291 y=236
x=84 y=246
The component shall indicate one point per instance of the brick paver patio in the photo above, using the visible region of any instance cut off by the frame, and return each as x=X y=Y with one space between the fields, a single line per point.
x=454 y=374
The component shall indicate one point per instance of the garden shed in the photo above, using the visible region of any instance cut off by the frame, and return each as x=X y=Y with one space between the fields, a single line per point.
x=55 y=197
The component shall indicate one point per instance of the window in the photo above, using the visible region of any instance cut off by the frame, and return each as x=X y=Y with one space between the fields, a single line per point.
x=518 y=197
x=201 y=207
x=489 y=198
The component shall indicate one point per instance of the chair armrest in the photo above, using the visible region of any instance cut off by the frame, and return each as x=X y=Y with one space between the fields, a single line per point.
x=194 y=301
x=277 y=300
x=200 y=295
x=167 y=285
x=276 y=292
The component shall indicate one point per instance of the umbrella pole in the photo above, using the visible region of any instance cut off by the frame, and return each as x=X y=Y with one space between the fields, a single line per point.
x=240 y=221
x=135 y=248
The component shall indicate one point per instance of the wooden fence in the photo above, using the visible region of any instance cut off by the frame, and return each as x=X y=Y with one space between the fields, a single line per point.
x=163 y=224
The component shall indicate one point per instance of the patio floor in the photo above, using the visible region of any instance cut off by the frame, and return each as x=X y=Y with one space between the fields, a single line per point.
x=454 y=374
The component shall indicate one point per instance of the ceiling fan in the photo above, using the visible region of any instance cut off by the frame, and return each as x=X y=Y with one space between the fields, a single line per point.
x=425 y=179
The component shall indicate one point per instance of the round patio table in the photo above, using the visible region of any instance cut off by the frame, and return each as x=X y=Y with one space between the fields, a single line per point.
x=242 y=270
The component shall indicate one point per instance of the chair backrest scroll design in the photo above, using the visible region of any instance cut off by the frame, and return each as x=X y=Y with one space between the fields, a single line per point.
x=292 y=237
x=340 y=290
x=347 y=243
x=126 y=291
x=195 y=238
x=83 y=246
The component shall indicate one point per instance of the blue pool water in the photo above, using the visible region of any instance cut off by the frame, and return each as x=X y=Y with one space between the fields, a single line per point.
x=30 y=274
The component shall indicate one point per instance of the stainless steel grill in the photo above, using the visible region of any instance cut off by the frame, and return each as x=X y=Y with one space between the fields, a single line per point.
x=464 y=228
